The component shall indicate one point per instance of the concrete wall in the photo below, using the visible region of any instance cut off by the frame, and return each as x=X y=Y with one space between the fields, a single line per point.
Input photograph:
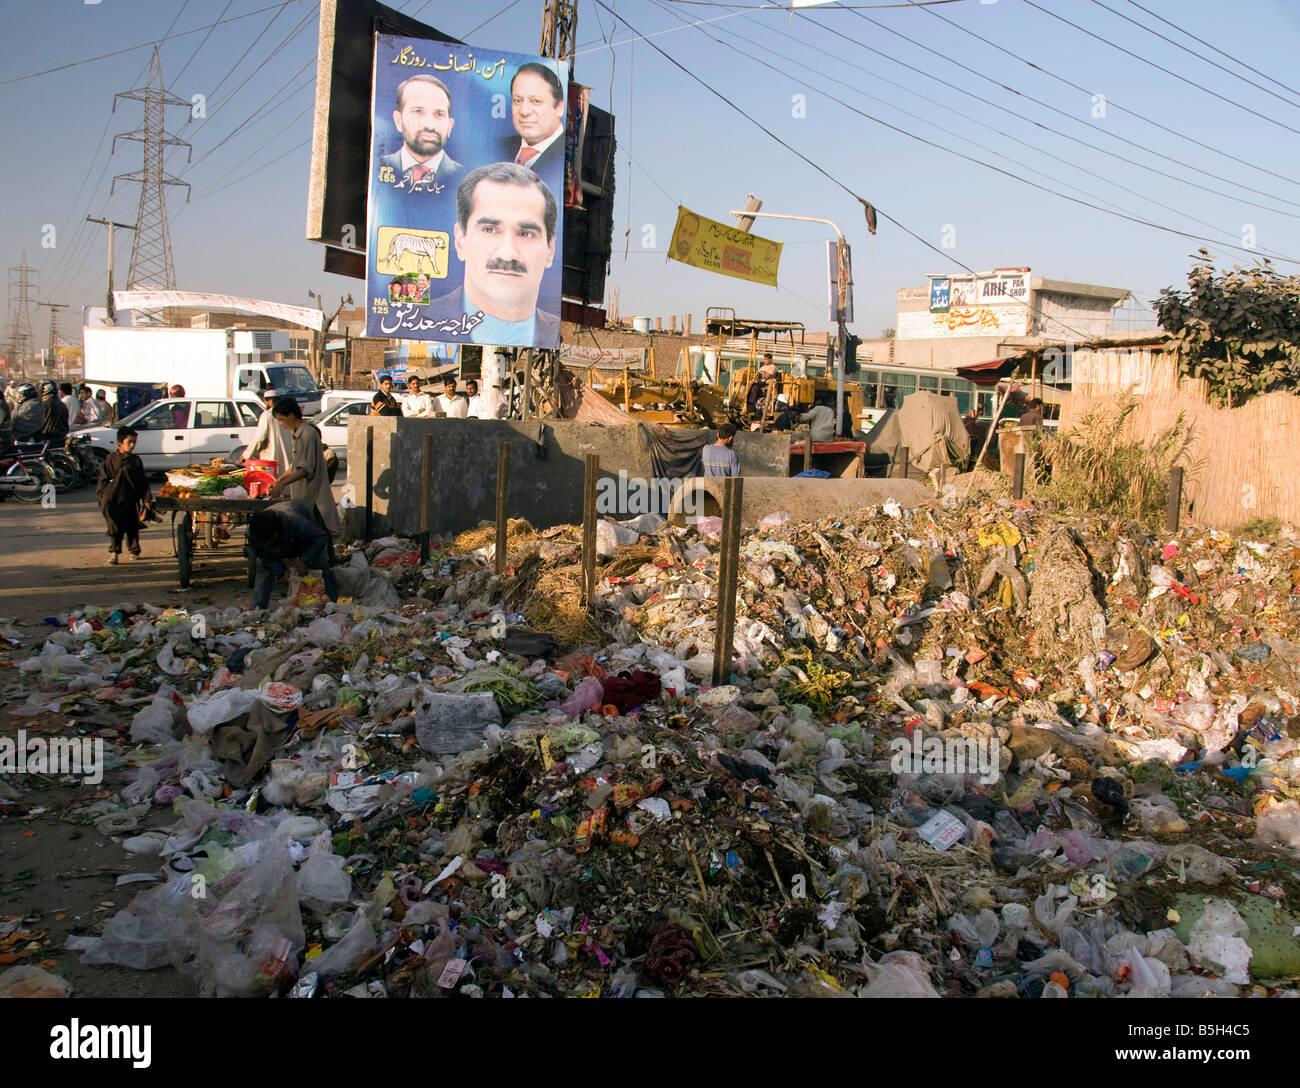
x=547 y=491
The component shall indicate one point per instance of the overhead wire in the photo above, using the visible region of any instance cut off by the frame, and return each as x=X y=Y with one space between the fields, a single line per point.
x=1291 y=180
x=1073 y=166
x=1212 y=47
x=1193 y=53
x=1024 y=181
x=1160 y=67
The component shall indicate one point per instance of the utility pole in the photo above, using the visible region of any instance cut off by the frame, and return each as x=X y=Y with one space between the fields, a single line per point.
x=112 y=310
x=54 y=308
x=842 y=302
x=559 y=29
x=745 y=221
x=151 y=251
x=20 y=328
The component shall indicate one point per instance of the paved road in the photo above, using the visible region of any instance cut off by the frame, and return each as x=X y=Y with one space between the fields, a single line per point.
x=53 y=560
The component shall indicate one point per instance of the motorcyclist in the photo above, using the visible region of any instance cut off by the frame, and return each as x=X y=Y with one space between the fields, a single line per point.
x=29 y=415
x=54 y=428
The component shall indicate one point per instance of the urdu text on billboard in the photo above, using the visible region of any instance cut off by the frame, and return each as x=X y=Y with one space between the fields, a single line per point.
x=465 y=190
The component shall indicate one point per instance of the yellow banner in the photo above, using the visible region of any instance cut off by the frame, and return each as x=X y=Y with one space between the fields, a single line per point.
x=717 y=247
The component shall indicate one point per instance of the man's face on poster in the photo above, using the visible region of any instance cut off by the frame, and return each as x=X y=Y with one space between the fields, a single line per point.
x=505 y=249
x=424 y=119
x=690 y=226
x=536 y=114
x=421 y=285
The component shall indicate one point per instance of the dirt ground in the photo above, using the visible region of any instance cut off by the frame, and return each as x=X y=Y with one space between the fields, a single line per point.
x=60 y=877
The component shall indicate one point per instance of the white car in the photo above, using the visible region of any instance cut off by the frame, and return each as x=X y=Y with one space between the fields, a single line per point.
x=183 y=431
x=333 y=424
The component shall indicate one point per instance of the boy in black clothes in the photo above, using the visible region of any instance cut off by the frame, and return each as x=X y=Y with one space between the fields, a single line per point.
x=122 y=489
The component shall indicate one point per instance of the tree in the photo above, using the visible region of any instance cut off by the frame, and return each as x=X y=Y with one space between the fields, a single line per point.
x=1238 y=330
x=887 y=334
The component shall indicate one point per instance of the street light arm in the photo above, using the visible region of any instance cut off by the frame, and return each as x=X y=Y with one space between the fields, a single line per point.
x=797 y=218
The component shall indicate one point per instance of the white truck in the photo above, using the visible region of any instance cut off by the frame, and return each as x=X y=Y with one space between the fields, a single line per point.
x=206 y=362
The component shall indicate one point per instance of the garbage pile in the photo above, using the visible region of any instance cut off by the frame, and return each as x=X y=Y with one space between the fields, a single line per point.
x=980 y=751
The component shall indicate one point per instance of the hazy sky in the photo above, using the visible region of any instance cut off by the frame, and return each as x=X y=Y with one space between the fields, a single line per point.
x=243 y=229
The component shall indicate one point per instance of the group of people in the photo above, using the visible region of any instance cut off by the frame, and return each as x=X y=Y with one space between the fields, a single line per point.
x=415 y=403
x=46 y=413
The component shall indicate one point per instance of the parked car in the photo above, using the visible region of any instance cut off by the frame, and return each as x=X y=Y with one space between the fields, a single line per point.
x=333 y=425
x=177 y=432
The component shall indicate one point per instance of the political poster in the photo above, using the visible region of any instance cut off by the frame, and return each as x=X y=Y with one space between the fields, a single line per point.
x=466 y=189
x=719 y=248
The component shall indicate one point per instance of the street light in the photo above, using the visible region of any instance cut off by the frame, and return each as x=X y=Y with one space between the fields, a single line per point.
x=841 y=307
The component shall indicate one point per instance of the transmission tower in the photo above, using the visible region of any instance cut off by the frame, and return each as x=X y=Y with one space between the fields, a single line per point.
x=54 y=308
x=20 y=315
x=559 y=29
x=151 y=253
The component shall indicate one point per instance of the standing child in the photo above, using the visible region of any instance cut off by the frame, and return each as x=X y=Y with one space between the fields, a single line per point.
x=122 y=489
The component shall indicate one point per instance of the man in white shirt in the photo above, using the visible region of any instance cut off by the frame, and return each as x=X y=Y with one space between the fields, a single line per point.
x=450 y=403
x=70 y=402
x=90 y=411
x=481 y=405
x=416 y=404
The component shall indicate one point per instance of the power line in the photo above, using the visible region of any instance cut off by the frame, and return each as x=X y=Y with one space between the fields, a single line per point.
x=868 y=209
x=1161 y=68
x=1214 y=48
x=1006 y=173
x=960 y=136
x=1069 y=117
x=1110 y=102
x=1192 y=53
x=142 y=45
x=204 y=42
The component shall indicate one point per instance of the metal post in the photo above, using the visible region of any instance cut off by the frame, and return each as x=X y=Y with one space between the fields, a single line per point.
x=1175 y=500
x=905 y=457
x=370 y=484
x=1018 y=477
x=503 y=482
x=592 y=475
x=842 y=335
x=426 y=496
x=807 y=452
x=728 y=568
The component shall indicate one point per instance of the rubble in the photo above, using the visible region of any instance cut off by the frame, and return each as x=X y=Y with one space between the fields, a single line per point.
x=983 y=751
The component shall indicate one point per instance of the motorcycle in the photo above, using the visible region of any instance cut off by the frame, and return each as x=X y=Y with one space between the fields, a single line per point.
x=24 y=476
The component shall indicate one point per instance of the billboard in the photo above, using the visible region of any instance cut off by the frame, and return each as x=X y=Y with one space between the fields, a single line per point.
x=465 y=191
x=729 y=251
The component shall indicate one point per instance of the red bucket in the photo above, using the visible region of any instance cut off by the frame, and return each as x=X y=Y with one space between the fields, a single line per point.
x=273 y=467
x=258 y=483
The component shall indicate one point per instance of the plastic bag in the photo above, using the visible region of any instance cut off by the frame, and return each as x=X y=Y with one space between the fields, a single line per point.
x=1281 y=824
x=1198 y=865
x=588 y=695
x=154 y=723
x=898 y=974
x=710 y=528
x=350 y=952
x=323 y=881
x=1216 y=943
x=28 y=981
x=218 y=707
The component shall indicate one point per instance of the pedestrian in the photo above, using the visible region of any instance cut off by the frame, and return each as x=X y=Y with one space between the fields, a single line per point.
x=479 y=405
x=109 y=409
x=288 y=531
x=122 y=490
x=390 y=407
x=70 y=402
x=270 y=441
x=718 y=459
x=451 y=403
x=307 y=480
x=821 y=422
x=417 y=404
x=90 y=412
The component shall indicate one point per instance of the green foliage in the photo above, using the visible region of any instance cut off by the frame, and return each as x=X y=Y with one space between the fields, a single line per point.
x=1238 y=330
x=1099 y=467
x=814 y=684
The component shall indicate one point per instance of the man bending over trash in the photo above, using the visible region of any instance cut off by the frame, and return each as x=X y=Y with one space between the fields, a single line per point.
x=284 y=531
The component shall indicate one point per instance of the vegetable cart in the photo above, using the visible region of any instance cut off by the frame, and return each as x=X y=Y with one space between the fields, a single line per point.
x=183 y=536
